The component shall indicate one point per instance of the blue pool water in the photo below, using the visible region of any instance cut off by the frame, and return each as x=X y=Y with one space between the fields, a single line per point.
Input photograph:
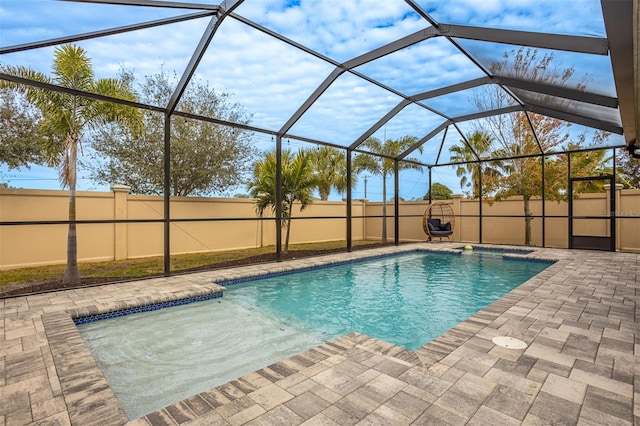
x=156 y=358
x=406 y=300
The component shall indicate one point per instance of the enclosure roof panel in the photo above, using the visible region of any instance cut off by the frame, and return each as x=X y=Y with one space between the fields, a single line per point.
x=341 y=30
x=578 y=17
x=336 y=73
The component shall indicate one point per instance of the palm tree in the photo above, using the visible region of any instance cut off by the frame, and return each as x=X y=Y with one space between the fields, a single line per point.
x=478 y=143
x=330 y=169
x=384 y=165
x=589 y=163
x=297 y=184
x=66 y=117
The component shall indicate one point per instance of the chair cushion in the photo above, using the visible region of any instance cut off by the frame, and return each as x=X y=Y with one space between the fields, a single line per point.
x=434 y=224
x=445 y=226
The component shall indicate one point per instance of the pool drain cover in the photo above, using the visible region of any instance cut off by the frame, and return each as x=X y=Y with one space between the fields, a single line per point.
x=509 y=342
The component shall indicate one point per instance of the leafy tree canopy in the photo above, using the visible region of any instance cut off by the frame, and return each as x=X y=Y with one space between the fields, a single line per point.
x=473 y=148
x=512 y=136
x=21 y=139
x=511 y=148
x=298 y=182
x=205 y=157
x=628 y=169
x=330 y=170
x=439 y=191
x=383 y=164
x=66 y=120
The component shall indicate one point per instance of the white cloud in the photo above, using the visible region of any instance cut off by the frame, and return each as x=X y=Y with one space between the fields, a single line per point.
x=425 y=66
x=338 y=29
x=580 y=17
x=271 y=79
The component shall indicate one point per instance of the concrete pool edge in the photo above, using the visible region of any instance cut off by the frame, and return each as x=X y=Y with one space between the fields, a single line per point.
x=88 y=395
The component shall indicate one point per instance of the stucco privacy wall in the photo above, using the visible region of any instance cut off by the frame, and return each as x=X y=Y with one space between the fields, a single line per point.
x=237 y=224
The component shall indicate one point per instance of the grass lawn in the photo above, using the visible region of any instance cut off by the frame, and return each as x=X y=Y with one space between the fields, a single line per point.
x=154 y=266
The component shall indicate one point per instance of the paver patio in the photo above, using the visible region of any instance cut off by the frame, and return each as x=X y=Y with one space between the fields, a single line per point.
x=579 y=318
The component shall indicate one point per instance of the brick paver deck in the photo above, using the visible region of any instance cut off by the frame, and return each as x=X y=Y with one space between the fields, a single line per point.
x=579 y=318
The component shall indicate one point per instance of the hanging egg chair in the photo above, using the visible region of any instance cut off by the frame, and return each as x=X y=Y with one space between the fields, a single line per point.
x=438 y=220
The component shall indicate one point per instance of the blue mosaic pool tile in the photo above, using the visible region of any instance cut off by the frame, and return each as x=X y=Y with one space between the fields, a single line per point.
x=530 y=259
x=146 y=308
x=512 y=257
x=511 y=250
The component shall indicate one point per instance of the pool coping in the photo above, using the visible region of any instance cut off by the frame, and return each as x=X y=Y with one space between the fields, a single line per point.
x=90 y=398
x=587 y=297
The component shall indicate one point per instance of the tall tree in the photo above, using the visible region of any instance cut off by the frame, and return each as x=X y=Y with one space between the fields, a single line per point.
x=330 y=170
x=298 y=182
x=628 y=169
x=67 y=118
x=20 y=141
x=205 y=157
x=384 y=165
x=439 y=191
x=477 y=146
x=512 y=135
x=587 y=164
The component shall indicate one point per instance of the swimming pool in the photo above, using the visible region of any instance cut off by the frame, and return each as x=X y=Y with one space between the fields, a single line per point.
x=156 y=358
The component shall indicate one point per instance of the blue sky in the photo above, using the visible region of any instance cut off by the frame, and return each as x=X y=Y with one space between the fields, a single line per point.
x=271 y=79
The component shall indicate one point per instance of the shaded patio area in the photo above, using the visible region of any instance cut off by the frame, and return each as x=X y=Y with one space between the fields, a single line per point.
x=579 y=318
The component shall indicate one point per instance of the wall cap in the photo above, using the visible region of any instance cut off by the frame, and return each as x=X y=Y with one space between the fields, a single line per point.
x=619 y=186
x=120 y=188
